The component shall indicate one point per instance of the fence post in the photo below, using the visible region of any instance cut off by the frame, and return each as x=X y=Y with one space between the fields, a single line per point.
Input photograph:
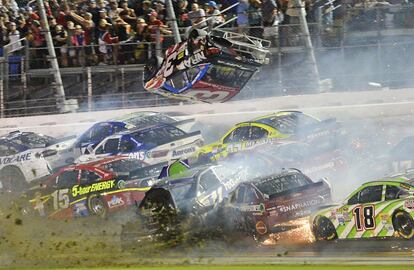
x=2 y=76
x=23 y=78
x=158 y=46
x=123 y=86
x=319 y=21
x=89 y=86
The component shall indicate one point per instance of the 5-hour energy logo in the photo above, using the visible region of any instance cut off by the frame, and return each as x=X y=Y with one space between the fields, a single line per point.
x=79 y=190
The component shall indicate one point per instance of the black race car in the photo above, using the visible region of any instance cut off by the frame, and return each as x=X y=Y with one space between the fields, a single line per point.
x=206 y=67
x=272 y=204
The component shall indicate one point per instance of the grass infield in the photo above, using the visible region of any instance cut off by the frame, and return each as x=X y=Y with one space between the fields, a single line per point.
x=241 y=267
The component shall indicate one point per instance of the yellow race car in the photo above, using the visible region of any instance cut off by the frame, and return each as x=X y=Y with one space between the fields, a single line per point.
x=282 y=125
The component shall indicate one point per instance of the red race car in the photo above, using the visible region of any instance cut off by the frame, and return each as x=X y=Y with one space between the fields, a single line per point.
x=91 y=189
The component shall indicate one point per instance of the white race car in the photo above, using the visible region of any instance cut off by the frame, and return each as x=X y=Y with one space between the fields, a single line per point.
x=28 y=156
x=152 y=145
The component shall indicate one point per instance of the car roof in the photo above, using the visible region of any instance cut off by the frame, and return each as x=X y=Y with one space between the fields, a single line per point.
x=268 y=116
x=284 y=172
x=403 y=178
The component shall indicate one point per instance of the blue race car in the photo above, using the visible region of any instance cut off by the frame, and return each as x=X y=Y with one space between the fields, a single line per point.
x=99 y=131
x=154 y=144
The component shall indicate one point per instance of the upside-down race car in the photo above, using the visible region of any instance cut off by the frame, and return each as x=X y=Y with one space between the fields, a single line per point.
x=376 y=209
x=208 y=68
x=283 y=125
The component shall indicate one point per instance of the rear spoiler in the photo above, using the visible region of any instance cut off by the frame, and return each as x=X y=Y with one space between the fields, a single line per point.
x=183 y=122
x=174 y=168
x=321 y=129
x=287 y=192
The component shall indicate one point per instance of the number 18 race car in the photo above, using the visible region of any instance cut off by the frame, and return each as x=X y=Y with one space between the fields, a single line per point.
x=377 y=209
x=208 y=68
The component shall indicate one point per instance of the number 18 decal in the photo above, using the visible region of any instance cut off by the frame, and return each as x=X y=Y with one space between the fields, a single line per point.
x=364 y=217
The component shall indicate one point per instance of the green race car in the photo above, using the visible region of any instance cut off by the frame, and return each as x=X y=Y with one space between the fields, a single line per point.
x=380 y=208
x=279 y=126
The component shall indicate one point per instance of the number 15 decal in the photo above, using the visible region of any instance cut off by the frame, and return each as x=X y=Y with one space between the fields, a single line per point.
x=364 y=217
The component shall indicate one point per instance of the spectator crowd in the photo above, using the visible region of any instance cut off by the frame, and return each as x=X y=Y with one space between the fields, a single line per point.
x=91 y=32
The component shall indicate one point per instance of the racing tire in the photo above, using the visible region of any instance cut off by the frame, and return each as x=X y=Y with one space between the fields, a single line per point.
x=323 y=229
x=403 y=224
x=13 y=180
x=97 y=206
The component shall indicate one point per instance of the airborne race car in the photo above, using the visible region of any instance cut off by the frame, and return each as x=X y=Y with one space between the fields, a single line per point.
x=28 y=156
x=206 y=67
x=380 y=208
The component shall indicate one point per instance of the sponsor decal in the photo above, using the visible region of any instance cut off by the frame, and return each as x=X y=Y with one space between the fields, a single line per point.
x=80 y=210
x=409 y=204
x=141 y=155
x=296 y=206
x=115 y=202
x=322 y=167
x=16 y=158
x=253 y=208
x=404 y=186
x=79 y=190
x=273 y=213
x=193 y=60
x=261 y=227
x=183 y=151
x=121 y=184
x=333 y=215
x=347 y=216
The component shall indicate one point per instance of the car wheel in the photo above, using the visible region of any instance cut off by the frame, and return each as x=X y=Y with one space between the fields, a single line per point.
x=97 y=206
x=323 y=229
x=12 y=180
x=403 y=224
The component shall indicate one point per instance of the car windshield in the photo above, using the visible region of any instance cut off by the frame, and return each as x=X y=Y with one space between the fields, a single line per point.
x=149 y=120
x=123 y=165
x=277 y=184
x=32 y=140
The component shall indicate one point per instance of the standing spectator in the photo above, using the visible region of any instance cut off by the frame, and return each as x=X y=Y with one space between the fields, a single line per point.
x=52 y=25
x=182 y=14
x=3 y=35
x=94 y=10
x=107 y=43
x=103 y=15
x=122 y=31
x=155 y=25
x=37 y=41
x=113 y=11
x=89 y=31
x=78 y=40
x=255 y=18
x=293 y=11
x=71 y=49
x=144 y=9
x=161 y=11
x=60 y=42
x=13 y=37
x=141 y=36
x=214 y=13
x=269 y=19
x=127 y=14
x=242 y=16
x=197 y=16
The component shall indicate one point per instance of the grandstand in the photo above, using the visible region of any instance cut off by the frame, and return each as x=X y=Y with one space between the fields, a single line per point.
x=102 y=47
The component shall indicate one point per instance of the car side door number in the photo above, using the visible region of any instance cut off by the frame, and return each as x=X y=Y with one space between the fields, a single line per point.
x=364 y=217
x=61 y=199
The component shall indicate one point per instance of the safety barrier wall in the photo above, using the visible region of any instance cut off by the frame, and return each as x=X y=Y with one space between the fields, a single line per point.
x=367 y=104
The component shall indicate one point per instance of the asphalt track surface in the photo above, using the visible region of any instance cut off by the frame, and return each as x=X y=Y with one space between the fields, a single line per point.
x=291 y=249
